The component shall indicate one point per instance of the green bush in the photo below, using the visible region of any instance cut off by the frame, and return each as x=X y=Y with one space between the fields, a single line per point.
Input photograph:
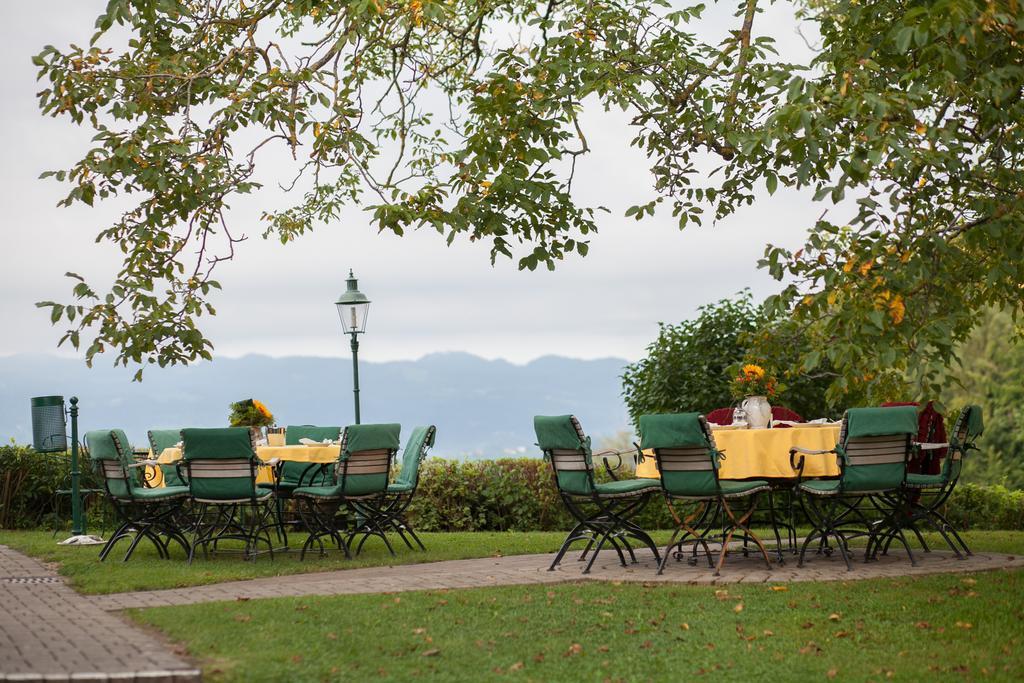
x=27 y=482
x=509 y=494
x=985 y=507
x=487 y=495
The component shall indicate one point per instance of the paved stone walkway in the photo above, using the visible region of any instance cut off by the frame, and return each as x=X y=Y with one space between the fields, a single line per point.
x=49 y=632
x=532 y=569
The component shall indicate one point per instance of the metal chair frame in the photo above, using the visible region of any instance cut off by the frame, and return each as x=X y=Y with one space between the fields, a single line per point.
x=601 y=519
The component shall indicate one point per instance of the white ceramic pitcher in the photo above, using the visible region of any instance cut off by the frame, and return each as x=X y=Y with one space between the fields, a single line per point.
x=759 y=412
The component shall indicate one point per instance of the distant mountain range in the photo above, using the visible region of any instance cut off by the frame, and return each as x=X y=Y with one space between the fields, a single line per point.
x=482 y=408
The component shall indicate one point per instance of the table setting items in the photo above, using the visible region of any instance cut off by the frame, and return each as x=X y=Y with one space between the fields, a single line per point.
x=753 y=386
x=314 y=443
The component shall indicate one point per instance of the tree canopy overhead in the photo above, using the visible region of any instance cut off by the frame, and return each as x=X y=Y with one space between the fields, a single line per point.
x=463 y=116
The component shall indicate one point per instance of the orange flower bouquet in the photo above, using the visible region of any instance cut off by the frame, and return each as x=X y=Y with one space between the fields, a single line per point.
x=250 y=413
x=754 y=380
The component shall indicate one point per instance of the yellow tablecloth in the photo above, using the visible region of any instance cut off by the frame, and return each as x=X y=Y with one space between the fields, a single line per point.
x=266 y=474
x=764 y=453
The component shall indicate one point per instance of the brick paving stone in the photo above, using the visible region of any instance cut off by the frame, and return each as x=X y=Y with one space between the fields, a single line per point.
x=48 y=632
x=532 y=569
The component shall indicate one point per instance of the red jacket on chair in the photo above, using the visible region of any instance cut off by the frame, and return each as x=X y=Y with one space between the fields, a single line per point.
x=931 y=428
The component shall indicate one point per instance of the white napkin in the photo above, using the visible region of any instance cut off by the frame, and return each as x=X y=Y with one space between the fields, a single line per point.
x=179 y=444
x=313 y=442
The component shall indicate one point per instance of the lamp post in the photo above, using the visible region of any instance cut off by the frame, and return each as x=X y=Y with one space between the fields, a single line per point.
x=353 y=307
x=49 y=435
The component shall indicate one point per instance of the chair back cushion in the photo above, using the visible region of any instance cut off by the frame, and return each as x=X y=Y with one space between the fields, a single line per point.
x=876 y=445
x=420 y=441
x=293 y=433
x=784 y=413
x=365 y=461
x=720 y=416
x=563 y=442
x=685 y=453
x=968 y=427
x=108 y=463
x=159 y=441
x=162 y=439
x=221 y=463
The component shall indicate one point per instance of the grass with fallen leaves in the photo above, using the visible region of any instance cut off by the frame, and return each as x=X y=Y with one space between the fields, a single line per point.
x=939 y=627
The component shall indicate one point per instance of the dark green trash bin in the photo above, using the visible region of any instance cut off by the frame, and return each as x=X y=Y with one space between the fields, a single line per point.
x=49 y=433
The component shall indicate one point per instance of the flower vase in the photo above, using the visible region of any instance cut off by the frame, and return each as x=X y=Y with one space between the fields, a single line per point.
x=759 y=412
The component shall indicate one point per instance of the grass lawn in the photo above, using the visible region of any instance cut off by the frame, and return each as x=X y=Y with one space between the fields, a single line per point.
x=943 y=627
x=146 y=571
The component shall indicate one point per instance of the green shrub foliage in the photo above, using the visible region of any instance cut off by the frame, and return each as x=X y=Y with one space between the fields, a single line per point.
x=27 y=482
x=686 y=367
x=511 y=494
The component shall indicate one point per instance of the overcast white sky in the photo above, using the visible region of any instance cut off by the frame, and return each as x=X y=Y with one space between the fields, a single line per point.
x=426 y=297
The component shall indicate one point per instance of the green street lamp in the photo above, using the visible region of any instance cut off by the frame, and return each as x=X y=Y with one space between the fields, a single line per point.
x=353 y=307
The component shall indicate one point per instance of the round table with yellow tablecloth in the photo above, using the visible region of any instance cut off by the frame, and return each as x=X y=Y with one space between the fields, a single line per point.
x=764 y=453
x=265 y=475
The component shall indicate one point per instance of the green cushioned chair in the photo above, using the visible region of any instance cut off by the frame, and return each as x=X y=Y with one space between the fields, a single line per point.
x=401 y=491
x=925 y=494
x=290 y=474
x=358 y=481
x=874 y=447
x=143 y=512
x=688 y=462
x=221 y=466
x=293 y=434
x=603 y=511
x=160 y=440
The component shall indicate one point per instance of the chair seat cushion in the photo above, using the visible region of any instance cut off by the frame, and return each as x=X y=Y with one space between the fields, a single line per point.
x=626 y=487
x=160 y=493
x=925 y=481
x=326 y=492
x=399 y=487
x=820 y=487
x=738 y=489
x=282 y=487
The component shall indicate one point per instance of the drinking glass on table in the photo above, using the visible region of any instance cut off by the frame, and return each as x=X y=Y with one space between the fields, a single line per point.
x=275 y=436
x=739 y=416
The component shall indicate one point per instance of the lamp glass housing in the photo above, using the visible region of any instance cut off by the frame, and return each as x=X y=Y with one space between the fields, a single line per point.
x=353 y=316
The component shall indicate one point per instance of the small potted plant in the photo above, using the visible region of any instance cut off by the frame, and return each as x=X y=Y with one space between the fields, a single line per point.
x=755 y=387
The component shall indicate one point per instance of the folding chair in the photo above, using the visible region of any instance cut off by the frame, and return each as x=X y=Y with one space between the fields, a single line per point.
x=924 y=494
x=602 y=511
x=144 y=512
x=874 y=447
x=221 y=467
x=688 y=462
x=359 y=481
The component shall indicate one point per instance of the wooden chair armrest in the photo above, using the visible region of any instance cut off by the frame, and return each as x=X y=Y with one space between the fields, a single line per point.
x=605 y=455
x=143 y=463
x=808 y=451
x=798 y=465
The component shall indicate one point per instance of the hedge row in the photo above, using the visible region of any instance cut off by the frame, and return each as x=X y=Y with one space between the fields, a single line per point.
x=27 y=482
x=519 y=495
x=486 y=495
